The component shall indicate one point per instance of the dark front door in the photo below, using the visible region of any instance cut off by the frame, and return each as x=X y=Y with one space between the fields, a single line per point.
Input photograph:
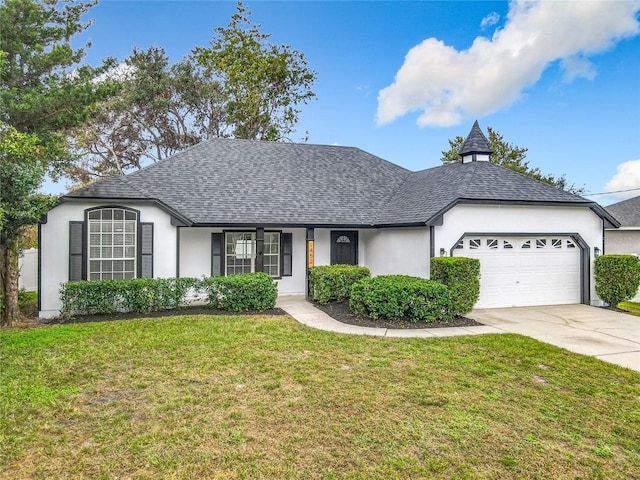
x=344 y=248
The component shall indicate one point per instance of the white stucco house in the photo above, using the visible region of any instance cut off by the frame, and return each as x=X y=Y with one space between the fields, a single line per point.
x=626 y=239
x=228 y=206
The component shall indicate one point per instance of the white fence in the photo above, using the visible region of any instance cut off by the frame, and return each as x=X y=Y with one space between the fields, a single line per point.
x=28 y=264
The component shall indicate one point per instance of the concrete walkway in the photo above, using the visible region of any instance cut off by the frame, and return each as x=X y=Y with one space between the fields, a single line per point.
x=305 y=313
x=610 y=336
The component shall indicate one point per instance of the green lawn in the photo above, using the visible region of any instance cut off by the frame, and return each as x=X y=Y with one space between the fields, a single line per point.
x=238 y=397
x=631 y=307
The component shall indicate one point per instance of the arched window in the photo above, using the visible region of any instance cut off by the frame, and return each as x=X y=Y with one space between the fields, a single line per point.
x=112 y=244
x=343 y=239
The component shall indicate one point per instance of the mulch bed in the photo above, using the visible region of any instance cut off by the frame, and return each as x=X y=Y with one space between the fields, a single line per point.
x=337 y=310
x=340 y=311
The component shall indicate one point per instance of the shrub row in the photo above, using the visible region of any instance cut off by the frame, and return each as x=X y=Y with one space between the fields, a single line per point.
x=400 y=296
x=617 y=277
x=333 y=282
x=252 y=291
x=462 y=277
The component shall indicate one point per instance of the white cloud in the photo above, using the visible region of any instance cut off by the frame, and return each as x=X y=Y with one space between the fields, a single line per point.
x=448 y=85
x=490 y=20
x=627 y=177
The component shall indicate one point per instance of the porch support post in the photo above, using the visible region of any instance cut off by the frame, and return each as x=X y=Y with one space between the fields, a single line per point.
x=259 y=249
x=309 y=259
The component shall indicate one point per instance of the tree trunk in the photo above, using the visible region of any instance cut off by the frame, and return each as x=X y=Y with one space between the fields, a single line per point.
x=9 y=273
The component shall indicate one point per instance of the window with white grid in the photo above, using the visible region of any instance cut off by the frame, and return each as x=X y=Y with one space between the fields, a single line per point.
x=272 y=253
x=240 y=253
x=112 y=244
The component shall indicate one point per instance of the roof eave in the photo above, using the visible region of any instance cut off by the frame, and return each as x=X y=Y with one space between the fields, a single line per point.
x=610 y=222
x=182 y=220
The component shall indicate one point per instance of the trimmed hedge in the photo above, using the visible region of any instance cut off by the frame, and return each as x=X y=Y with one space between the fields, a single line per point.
x=333 y=282
x=400 y=296
x=252 y=291
x=236 y=293
x=617 y=277
x=462 y=277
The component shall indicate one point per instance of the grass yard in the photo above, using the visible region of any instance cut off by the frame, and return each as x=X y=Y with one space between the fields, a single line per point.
x=264 y=397
x=632 y=307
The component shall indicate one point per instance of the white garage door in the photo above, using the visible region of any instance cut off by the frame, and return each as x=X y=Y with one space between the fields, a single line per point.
x=524 y=271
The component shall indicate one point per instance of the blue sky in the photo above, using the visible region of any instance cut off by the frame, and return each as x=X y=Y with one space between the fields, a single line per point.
x=398 y=79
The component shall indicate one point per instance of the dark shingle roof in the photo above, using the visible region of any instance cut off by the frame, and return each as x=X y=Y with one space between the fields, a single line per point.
x=626 y=212
x=226 y=181
x=247 y=182
x=476 y=142
x=427 y=193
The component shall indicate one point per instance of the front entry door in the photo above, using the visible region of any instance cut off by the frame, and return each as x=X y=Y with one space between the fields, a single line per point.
x=344 y=248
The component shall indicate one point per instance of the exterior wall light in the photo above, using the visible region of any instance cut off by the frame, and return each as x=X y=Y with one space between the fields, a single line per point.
x=443 y=252
x=596 y=252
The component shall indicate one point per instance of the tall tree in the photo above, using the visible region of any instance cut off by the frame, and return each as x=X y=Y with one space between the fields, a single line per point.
x=512 y=157
x=241 y=86
x=43 y=93
x=262 y=83
x=23 y=164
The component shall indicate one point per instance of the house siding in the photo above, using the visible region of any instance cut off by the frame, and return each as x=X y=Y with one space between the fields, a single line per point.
x=624 y=242
x=403 y=251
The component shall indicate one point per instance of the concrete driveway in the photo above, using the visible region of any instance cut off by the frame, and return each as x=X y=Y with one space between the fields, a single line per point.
x=610 y=336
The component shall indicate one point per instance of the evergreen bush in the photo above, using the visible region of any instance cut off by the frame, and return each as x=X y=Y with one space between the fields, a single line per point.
x=400 y=297
x=333 y=282
x=252 y=291
x=617 y=277
x=462 y=277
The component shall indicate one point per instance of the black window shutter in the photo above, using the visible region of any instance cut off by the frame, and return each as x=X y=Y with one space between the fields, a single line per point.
x=77 y=259
x=217 y=254
x=286 y=239
x=146 y=250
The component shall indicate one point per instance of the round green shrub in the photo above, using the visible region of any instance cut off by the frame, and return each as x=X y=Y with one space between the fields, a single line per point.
x=333 y=282
x=617 y=277
x=462 y=276
x=400 y=297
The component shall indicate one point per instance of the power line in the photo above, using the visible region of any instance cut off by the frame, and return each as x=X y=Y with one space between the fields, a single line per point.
x=609 y=193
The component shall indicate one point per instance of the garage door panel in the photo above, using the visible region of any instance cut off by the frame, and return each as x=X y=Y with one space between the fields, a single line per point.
x=525 y=271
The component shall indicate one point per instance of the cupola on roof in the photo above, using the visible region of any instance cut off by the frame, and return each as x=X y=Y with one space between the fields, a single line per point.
x=476 y=147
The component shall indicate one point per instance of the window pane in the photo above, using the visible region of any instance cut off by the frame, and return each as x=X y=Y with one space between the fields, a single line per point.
x=107 y=245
